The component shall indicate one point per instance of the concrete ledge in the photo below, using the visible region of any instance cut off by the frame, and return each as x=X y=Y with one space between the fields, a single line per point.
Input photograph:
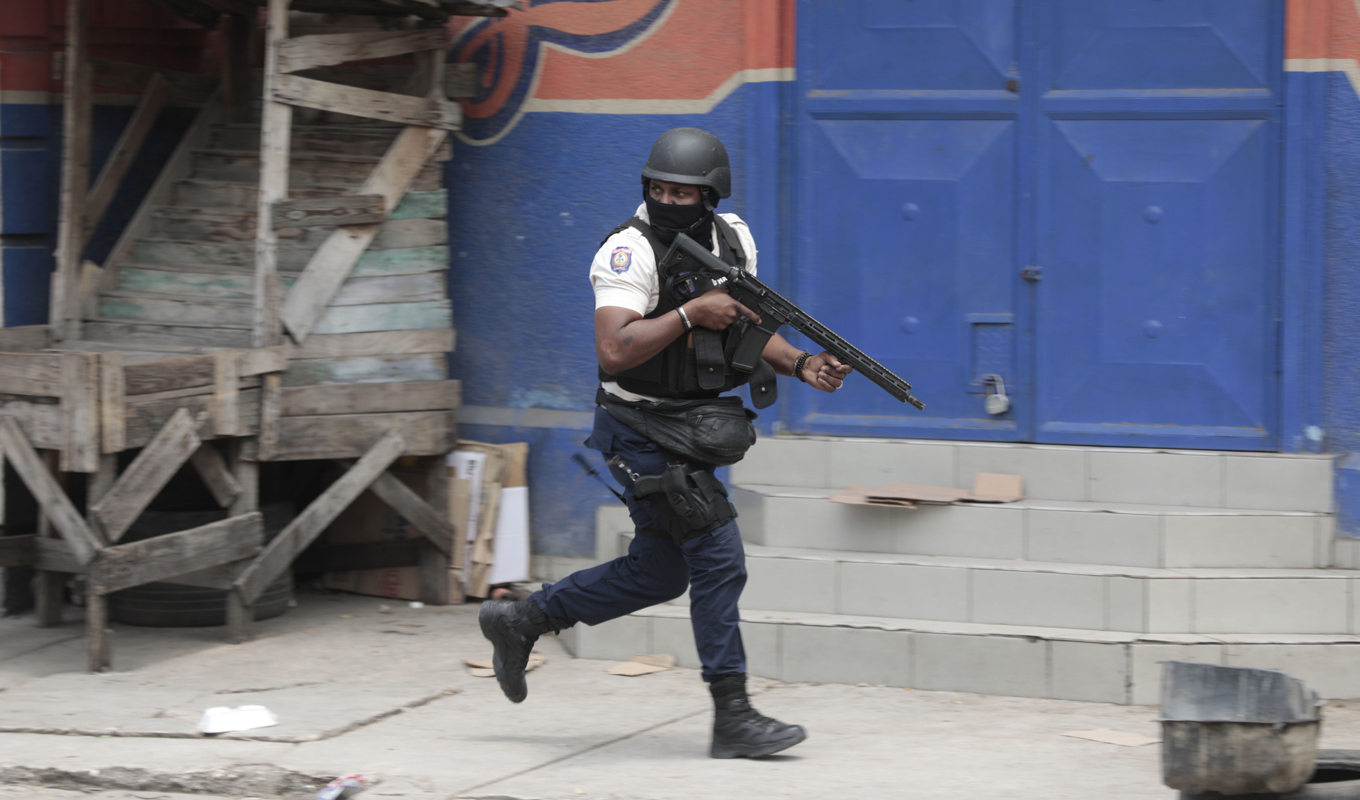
x=1067 y=664
x=1123 y=534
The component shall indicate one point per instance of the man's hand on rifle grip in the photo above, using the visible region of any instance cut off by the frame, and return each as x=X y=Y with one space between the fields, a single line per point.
x=716 y=309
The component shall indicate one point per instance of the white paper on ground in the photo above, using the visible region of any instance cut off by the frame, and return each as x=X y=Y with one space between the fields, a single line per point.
x=512 y=538
x=1113 y=737
x=221 y=719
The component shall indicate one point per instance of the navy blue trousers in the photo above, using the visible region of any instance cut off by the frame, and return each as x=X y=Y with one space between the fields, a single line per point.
x=712 y=566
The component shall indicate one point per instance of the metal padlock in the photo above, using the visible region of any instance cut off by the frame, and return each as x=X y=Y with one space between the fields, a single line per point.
x=997 y=403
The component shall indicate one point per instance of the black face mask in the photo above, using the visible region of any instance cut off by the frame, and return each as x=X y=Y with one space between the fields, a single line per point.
x=695 y=221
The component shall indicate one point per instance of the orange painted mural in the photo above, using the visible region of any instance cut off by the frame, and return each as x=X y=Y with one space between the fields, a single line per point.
x=618 y=57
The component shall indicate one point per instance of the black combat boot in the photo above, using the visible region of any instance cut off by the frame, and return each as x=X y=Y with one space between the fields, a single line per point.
x=513 y=627
x=739 y=730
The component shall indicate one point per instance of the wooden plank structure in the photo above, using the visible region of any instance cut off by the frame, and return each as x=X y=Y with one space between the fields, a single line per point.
x=279 y=296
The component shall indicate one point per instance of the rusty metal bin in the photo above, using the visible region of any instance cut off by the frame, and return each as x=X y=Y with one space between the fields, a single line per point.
x=1236 y=730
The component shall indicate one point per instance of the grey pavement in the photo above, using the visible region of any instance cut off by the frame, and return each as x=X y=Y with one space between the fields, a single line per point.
x=370 y=686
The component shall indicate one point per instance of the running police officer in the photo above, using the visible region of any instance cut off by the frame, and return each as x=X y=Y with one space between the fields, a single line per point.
x=663 y=339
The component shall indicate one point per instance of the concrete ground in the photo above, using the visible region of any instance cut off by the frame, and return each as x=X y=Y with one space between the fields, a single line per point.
x=370 y=686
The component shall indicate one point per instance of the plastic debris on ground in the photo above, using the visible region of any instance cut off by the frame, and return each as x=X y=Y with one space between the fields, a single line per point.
x=341 y=788
x=221 y=719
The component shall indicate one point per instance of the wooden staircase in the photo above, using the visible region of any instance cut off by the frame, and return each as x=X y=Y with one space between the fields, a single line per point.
x=281 y=290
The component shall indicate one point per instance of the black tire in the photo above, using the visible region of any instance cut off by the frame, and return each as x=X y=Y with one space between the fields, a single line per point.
x=173 y=605
x=1336 y=777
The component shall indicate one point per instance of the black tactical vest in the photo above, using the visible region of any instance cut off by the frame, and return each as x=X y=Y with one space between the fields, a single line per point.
x=674 y=372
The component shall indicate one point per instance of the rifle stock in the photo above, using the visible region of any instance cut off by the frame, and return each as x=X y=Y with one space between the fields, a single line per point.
x=770 y=305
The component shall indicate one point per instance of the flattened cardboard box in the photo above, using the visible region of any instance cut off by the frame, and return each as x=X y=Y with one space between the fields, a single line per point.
x=987 y=488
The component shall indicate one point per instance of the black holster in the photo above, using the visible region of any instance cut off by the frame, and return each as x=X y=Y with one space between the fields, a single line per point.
x=690 y=501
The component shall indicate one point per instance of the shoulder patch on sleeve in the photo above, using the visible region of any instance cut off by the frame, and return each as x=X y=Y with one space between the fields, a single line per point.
x=621 y=259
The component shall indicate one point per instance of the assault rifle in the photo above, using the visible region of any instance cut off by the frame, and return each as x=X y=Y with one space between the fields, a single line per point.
x=771 y=306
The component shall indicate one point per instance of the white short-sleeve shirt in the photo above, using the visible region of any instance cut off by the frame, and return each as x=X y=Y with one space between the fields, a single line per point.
x=624 y=270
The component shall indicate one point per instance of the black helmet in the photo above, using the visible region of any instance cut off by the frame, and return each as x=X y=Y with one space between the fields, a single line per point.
x=689 y=155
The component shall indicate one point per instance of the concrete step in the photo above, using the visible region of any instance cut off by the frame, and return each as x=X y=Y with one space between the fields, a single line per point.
x=1210 y=479
x=1087 y=596
x=1112 y=533
x=1068 y=664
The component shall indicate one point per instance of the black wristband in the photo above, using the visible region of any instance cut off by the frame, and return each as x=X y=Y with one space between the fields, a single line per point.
x=798 y=365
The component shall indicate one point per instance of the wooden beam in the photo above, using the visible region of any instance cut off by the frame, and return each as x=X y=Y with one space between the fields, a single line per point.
x=56 y=556
x=56 y=506
x=87 y=288
x=153 y=377
x=315 y=212
x=146 y=415
x=371 y=398
x=25 y=338
x=324 y=50
x=166 y=556
x=112 y=414
x=436 y=578
x=426 y=433
x=264 y=359
x=340 y=345
x=147 y=475
x=19 y=551
x=98 y=636
x=64 y=315
x=212 y=468
x=419 y=513
x=226 y=379
x=271 y=407
x=299 y=533
x=275 y=140
x=427 y=112
x=35 y=374
x=128 y=146
x=80 y=412
x=335 y=259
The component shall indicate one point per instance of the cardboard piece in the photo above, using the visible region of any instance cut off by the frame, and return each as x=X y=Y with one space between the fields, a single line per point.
x=1113 y=737
x=990 y=487
x=498 y=520
x=987 y=488
x=857 y=495
x=660 y=660
x=916 y=493
x=482 y=667
x=632 y=669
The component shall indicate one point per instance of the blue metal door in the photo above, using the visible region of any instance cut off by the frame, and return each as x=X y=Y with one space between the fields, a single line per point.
x=1077 y=196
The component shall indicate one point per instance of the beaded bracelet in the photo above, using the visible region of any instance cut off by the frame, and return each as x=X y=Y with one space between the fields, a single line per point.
x=798 y=366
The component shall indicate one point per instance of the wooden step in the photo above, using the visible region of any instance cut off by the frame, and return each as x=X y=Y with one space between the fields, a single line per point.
x=364 y=316
x=235 y=257
x=238 y=225
x=239 y=285
x=325 y=168
x=185 y=334
x=351 y=139
x=236 y=194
